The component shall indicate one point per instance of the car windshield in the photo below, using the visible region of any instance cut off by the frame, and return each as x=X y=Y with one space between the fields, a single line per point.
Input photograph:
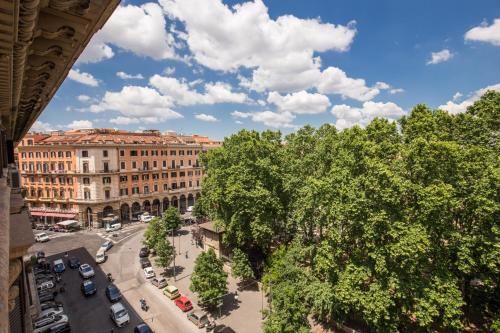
x=121 y=313
x=89 y=286
x=86 y=268
x=59 y=265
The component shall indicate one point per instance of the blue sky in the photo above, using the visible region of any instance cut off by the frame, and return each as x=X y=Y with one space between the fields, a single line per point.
x=213 y=67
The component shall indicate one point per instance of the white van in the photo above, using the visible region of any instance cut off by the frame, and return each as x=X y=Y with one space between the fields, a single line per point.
x=113 y=227
x=100 y=257
x=42 y=237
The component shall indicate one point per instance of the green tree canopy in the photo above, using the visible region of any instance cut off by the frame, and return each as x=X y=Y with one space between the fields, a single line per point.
x=209 y=280
x=154 y=233
x=171 y=219
x=241 y=267
x=165 y=253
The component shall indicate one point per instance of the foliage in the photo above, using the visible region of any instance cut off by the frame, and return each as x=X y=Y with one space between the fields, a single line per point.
x=241 y=267
x=199 y=211
x=209 y=280
x=392 y=226
x=165 y=253
x=171 y=219
x=154 y=233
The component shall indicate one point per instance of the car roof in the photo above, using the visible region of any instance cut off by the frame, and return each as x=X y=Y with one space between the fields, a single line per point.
x=111 y=286
x=171 y=288
x=117 y=307
x=58 y=261
x=183 y=299
x=87 y=282
x=198 y=313
x=84 y=265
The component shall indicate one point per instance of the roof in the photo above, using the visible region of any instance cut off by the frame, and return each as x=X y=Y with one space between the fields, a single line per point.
x=67 y=223
x=211 y=227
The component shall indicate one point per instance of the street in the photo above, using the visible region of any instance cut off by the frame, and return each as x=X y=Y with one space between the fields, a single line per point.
x=243 y=316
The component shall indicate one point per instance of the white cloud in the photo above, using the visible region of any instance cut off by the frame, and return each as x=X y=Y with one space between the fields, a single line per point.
x=169 y=70
x=124 y=120
x=455 y=108
x=82 y=77
x=279 y=52
x=396 y=91
x=205 y=117
x=268 y=118
x=457 y=96
x=83 y=98
x=382 y=85
x=125 y=76
x=347 y=116
x=40 y=126
x=139 y=29
x=239 y=122
x=143 y=103
x=80 y=124
x=484 y=33
x=182 y=93
x=300 y=102
x=335 y=81
x=441 y=56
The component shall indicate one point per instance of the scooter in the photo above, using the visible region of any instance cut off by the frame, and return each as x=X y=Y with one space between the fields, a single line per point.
x=144 y=306
x=210 y=325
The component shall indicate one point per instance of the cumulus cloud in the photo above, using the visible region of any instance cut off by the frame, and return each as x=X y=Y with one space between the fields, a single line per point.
x=181 y=92
x=169 y=70
x=83 y=98
x=347 y=116
x=279 y=52
x=205 y=117
x=125 y=76
x=455 y=108
x=143 y=103
x=300 y=102
x=124 y=120
x=82 y=77
x=138 y=29
x=335 y=81
x=457 y=96
x=485 y=33
x=80 y=124
x=40 y=126
x=441 y=56
x=268 y=118
x=396 y=91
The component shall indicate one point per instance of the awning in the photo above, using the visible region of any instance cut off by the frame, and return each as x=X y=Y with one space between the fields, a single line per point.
x=67 y=223
x=37 y=213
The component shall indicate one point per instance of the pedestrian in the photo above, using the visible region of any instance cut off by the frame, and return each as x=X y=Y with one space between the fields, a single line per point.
x=236 y=297
x=66 y=254
x=186 y=254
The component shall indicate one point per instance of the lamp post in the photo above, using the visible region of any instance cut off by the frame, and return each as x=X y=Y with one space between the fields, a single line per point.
x=173 y=244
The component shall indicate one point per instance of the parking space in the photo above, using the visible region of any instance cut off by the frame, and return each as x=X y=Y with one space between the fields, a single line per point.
x=89 y=314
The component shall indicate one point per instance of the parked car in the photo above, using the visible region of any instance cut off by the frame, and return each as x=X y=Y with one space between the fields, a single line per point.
x=59 y=266
x=100 y=257
x=107 y=245
x=159 y=282
x=73 y=262
x=145 y=262
x=60 y=328
x=42 y=237
x=143 y=328
x=40 y=255
x=145 y=217
x=223 y=329
x=199 y=318
x=144 y=252
x=113 y=293
x=88 y=288
x=183 y=303
x=119 y=314
x=46 y=323
x=149 y=272
x=57 y=310
x=171 y=292
x=49 y=305
x=47 y=296
x=45 y=285
x=113 y=227
x=86 y=271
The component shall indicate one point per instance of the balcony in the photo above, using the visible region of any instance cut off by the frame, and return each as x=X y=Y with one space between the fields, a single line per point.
x=96 y=200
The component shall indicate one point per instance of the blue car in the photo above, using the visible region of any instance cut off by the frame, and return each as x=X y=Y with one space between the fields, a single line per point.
x=59 y=266
x=88 y=288
x=143 y=328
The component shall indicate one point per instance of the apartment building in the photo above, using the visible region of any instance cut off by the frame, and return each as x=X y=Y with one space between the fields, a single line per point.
x=89 y=174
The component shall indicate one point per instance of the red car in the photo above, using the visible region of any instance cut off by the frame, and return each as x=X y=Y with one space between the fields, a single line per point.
x=184 y=303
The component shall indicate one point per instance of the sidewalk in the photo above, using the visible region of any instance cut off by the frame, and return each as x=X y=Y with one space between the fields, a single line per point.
x=244 y=316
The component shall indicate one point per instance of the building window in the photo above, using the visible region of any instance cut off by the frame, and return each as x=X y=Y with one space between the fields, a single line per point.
x=189 y=162
x=182 y=174
x=122 y=165
x=37 y=154
x=23 y=155
x=146 y=189
x=30 y=155
x=85 y=167
x=123 y=179
x=155 y=164
x=106 y=166
x=52 y=154
x=145 y=177
x=190 y=173
x=122 y=153
x=60 y=154
x=30 y=142
x=165 y=187
x=144 y=153
x=172 y=164
x=164 y=175
x=135 y=190
x=145 y=165
x=123 y=191
x=68 y=164
x=174 y=186
x=86 y=194
x=107 y=194
x=183 y=184
x=190 y=183
x=105 y=153
x=181 y=152
x=197 y=183
x=68 y=154
x=164 y=164
x=172 y=153
x=173 y=174
x=155 y=187
x=182 y=163
x=135 y=178
x=46 y=154
x=133 y=153
x=85 y=153
x=86 y=181
x=106 y=180
x=60 y=166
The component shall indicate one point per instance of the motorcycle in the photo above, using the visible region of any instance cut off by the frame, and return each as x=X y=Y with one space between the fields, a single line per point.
x=144 y=305
x=210 y=326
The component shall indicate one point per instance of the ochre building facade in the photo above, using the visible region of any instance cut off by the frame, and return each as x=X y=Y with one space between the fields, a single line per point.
x=88 y=174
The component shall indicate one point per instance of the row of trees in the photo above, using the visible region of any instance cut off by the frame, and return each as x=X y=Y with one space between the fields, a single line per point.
x=392 y=227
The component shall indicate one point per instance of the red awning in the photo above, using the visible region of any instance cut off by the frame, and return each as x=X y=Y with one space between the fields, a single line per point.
x=37 y=213
x=65 y=215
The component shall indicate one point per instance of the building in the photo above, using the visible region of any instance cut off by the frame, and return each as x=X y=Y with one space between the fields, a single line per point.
x=209 y=236
x=39 y=43
x=89 y=174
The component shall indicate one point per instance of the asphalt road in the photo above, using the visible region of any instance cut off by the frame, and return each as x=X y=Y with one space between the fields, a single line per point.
x=89 y=314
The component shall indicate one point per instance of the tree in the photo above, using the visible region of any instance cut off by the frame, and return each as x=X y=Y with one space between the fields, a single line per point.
x=241 y=266
x=171 y=219
x=199 y=211
x=209 y=280
x=154 y=233
x=164 y=253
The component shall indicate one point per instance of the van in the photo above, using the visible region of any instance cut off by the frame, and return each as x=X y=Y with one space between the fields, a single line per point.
x=171 y=292
x=100 y=257
x=113 y=227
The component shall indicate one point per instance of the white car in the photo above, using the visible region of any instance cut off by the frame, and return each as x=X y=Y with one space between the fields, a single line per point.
x=119 y=314
x=42 y=237
x=145 y=217
x=149 y=272
x=44 y=324
x=113 y=227
x=45 y=285
x=86 y=271
x=58 y=310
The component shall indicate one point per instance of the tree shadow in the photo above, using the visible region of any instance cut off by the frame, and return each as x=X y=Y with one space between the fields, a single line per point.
x=249 y=285
x=229 y=303
x=169 y=272
x=182 y=232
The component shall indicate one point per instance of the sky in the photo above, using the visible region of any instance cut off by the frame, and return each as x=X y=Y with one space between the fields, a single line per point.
x=214 y=67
